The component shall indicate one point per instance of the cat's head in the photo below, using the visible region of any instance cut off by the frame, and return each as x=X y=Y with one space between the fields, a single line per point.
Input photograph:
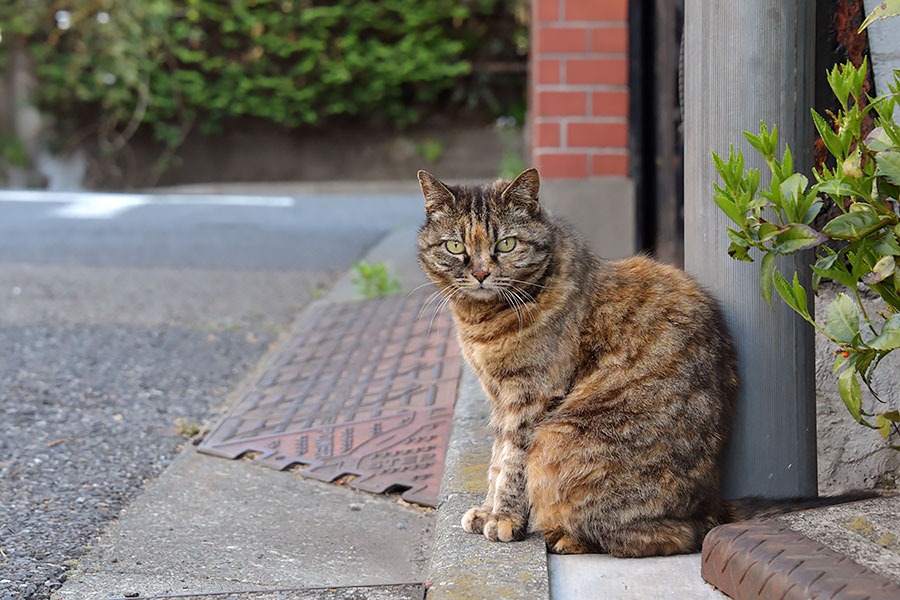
x=487 y=243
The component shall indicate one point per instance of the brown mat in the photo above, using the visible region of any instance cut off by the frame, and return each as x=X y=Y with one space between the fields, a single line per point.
x=365 y=389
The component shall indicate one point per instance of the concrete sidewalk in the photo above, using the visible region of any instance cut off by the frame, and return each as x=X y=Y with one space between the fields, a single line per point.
x=298 y=538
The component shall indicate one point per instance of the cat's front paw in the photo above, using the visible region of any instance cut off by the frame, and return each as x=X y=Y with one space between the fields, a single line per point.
x=474 y=519
x=504 y=528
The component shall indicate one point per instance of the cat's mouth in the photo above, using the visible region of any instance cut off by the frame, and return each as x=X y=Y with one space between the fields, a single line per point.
x=481 y=292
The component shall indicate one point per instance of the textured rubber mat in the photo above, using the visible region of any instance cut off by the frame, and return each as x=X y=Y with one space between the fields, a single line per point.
x=365 y=389
x=765 y=559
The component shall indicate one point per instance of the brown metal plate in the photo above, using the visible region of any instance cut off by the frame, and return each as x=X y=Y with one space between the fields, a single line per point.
x=766 y=559
x=367 y=389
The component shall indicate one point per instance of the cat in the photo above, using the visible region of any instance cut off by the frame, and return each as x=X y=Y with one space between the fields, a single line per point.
x=611 y=382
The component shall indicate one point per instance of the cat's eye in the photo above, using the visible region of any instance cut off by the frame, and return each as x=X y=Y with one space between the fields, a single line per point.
x=454 y=247
x=506 y=244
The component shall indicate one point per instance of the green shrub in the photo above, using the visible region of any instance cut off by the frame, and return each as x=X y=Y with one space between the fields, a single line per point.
x=863 y=240
x=173 y=64
x=374 y=281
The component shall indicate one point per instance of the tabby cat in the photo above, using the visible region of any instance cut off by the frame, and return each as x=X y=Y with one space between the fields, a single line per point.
x=611 y=382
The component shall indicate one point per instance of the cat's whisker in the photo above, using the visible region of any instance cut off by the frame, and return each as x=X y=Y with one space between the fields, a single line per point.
x=546 y=287
x=515 y=292
x=520 y=307
x=418 y=287
x=441 y=306
x=512 y=303
x=433 y=297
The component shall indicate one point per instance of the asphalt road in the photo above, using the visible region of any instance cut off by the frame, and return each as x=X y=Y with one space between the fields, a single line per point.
x=118 y=321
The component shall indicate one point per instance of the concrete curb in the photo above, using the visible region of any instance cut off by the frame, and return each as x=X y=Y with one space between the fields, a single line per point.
x=466 y=566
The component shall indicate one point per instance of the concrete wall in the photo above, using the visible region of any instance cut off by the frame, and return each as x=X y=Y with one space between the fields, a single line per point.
x=884 y=48
x=852 y=456
x=601 y=209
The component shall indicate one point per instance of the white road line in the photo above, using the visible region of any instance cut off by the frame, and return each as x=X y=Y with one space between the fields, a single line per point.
x=95 y=205
x=96 y=208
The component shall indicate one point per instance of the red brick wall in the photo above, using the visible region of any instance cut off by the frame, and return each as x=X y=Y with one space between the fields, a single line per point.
x=579 y=88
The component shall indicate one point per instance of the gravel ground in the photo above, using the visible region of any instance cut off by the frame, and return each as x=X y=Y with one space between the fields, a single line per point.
x=96 y=366
x=89 y=415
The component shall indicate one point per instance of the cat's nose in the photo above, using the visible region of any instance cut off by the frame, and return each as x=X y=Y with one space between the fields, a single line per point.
x=481 y=275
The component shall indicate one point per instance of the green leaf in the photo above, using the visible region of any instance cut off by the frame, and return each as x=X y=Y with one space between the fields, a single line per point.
x=889 y=338
x=832 y=142
x=852 y=225
x=799 y=293
x=766 y=271
x=878 y=140
x=889 y=166
x=767 y=230
x=837 y=187
x=884 y=10
x=812 y=212
x=848 y=386
x=739 y=237
x=792 y=190
x=798 y=237
x=727 y=205
x=784 y=290
x=883 y=269
x=842 y=322
x=884 y=420
x=839 y=362
x=887 y=244
x=739 y=252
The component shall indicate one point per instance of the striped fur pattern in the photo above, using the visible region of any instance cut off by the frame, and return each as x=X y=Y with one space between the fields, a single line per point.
x=611 y=382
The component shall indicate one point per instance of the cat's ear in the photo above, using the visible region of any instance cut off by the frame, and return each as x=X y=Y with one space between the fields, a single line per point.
x=524 y=190
x=436 y=193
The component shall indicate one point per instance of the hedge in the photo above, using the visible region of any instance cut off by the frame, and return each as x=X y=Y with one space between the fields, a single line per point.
x=117 y=65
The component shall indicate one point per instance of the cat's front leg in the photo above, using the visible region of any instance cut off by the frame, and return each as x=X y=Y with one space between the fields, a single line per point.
x=475 y=518
x=508 y=519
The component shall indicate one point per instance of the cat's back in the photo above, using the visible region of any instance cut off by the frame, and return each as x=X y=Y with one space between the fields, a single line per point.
x=650 y=318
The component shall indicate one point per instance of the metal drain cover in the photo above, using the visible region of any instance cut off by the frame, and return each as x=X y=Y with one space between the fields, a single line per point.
x=366 y=389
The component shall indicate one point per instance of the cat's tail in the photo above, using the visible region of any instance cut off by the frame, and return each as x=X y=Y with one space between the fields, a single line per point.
x=755 y=507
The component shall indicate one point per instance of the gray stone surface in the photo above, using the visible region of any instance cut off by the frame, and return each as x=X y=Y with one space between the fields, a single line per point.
x=590 y=576
x=852 y=456
x=469 y=450
x=213 y=525
x=868 y=532
x=465 y=565
x=380 y=592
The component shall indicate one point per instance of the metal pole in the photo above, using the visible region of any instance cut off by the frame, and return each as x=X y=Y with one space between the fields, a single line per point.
x=745 y=62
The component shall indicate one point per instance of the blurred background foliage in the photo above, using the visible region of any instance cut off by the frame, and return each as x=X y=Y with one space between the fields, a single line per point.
x=111 y=67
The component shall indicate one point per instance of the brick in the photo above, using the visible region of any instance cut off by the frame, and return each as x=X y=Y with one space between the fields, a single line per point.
x=609 y=40
x=546 y=135
x=547 y=10
x=562 y=39
x=605 y=71
x=562 y=166
x=597 y=10
x=609 y=104
x=596 y=135
x=552 y=104
x=548 y=71
x=609 y=164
